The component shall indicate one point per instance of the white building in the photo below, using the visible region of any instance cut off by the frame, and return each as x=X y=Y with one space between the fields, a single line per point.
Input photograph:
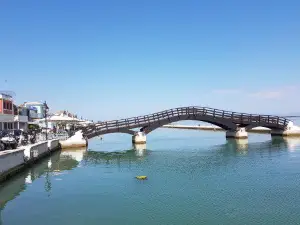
x=38 y=107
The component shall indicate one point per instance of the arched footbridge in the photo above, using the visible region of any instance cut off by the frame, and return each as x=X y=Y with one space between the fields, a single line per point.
x=236 y=124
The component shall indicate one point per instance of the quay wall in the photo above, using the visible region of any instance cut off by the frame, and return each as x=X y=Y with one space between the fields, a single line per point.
x=35 y=151
x=53 y=144
x=13 y=161
x=10 y=162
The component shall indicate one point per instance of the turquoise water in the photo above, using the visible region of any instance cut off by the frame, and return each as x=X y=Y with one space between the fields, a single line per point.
x=194 y=177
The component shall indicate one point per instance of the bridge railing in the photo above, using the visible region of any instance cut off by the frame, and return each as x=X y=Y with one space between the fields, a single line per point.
x=235 y=117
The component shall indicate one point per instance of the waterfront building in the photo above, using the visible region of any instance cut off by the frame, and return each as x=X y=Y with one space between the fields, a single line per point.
x=38 y=109
x=21 y=118
x=6 y=112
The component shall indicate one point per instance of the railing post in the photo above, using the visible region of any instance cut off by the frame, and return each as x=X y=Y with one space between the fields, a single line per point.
x=268 y=119
x=241 y=117
x=178 y=113
x=214 y=113
x=277 y=120
x=284 y=124
x=106 y=125
x=232 y=115
x=168 y=116
x=223 y=114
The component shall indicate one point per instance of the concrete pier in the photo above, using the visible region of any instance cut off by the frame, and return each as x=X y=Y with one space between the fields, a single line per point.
x=240 y=133
x=76 y=141
x=291 y=131
x=139 y=138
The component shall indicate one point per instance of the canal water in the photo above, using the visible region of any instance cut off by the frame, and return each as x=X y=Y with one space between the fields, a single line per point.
x=194 y=177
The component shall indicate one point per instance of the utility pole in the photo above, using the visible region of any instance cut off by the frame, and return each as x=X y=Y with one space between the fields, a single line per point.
x=46 y=121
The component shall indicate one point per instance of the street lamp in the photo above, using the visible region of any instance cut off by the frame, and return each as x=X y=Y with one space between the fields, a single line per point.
x=46 y=108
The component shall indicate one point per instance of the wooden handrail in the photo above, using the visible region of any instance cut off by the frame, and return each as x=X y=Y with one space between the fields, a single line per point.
x=254 y=119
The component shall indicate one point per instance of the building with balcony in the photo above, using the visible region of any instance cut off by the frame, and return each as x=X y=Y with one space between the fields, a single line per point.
x=6 y=112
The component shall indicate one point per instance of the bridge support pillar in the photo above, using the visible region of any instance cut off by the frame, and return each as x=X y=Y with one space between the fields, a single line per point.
x=139 y=138
x=290 y=131
x=240 y=133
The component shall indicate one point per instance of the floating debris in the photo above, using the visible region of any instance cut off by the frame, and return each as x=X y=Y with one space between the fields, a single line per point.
x=141 y=177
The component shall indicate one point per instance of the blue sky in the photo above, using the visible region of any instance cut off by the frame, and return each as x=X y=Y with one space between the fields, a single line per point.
x=113 y=59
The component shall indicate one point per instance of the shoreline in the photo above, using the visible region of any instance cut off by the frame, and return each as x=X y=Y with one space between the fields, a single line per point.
x=260 y=130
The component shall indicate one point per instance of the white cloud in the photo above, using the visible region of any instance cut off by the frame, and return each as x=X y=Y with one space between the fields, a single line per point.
x=276 y=93
x=267 y=94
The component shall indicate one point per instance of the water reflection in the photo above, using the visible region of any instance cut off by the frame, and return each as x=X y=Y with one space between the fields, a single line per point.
x=239 y=146
x=57 y=162
x=230 y=148
x=243 y=147
x=188 y=162
x=134 y=154
x=74 y=153
x=291 y=143
x=140 y=149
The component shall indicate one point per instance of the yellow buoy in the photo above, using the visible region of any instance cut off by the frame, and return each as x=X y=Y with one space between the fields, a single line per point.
x=141 y=177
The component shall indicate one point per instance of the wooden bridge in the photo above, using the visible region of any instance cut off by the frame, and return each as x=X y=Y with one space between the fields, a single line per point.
x=230 y=121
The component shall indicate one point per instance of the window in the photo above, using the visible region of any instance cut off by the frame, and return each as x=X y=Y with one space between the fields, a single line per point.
x=7 y=105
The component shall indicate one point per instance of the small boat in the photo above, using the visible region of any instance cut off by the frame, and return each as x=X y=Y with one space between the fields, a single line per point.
x=141 y=177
